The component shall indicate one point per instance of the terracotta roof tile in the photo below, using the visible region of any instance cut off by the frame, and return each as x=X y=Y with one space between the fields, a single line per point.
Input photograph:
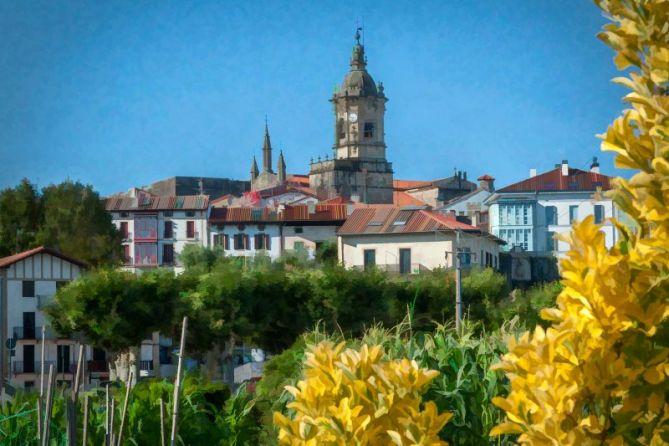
x=401 y=198
x=298 y=213
x=155 y=203
x=553 y=181
x=409 y=184
x=7 y=261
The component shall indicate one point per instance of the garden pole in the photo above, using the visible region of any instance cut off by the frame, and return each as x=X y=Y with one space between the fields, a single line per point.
x=177 y=383
x=111 y=421
x=162 y=422
x=107 y=443
x=84 y=435
x=125 y=409
x=49 y=404
x=40 y=400
x=458 y=284
x=72 y=403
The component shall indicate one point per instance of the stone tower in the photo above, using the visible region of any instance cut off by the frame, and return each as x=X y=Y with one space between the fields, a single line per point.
x=359 y=169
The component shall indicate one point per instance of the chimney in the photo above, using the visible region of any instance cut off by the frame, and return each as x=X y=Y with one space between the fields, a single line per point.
x=464 y=176
x=565 y=168
x=486 y=182
x=533 y=172
x=594 y=167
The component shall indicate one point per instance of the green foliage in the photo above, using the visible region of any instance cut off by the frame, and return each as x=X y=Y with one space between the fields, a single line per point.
x=326 y=254
x=526 y=305
x=69 y=217
x=114 y=309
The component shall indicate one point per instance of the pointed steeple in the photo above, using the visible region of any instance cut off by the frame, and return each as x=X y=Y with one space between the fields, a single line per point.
x=281 y=167
x=254 y=169
x=267 y=152
x=358 y=61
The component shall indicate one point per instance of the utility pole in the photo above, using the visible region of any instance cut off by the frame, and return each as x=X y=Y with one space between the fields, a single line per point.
x=458 y=280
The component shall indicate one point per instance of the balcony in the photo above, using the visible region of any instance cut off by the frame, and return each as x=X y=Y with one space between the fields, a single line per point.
x=32 y=333
x=19 y=367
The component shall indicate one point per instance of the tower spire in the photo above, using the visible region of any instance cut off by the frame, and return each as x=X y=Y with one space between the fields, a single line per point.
x=254 y=169
x=281 y=168
x=267 y=151
x=358 y=61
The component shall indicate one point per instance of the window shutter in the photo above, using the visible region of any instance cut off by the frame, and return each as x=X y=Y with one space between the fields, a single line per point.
x=247 y=242
x=226 y=242
x=267 y=242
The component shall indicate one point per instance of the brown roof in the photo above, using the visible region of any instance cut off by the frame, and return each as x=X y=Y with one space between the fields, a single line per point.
x=302 y=180
x=7 y=261
x=393 y=220
x=409 y=184
x=297 y=213
x=154 y=203
x=401 y=198
x=553 y=181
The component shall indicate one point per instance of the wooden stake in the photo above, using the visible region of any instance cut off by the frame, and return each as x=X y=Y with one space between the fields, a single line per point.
x=162 y=422
x=84 y=435
x=80 y=369
x=72 y=403
x=111 y=421
x=177 y=383
x=49 y=405
x=125 y=409
x=39 y=416
x=107 y=414
x=40 y=400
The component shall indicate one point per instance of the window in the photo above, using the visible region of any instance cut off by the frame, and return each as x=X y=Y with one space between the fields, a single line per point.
x=146 y=254
x=29 y=359
x=551 y=243
x=551 y=215
x=261 y=241
x=168 y=230
x=573 y=213
x=165 y=356
x=222 y=240
x=124 y=215
x=515 y=214
x=369 y=130
x=190 y=213
x=465 y=256
x=599 y=214
x=146 y=227
x=241 y=242
x=29 y=325
x=298 y=246
x=369 y=259
x=126 y=254
x=341 y=132
x=63 y=358
x=124 y=229
x=190 y=229
x=168 y=214
x=405 y=261
x=168 y=254
x=28 y=385
x=28 y=288
x=299 y=230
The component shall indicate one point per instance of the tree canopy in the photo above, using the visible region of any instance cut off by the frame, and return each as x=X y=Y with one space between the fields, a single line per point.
x=69 y=217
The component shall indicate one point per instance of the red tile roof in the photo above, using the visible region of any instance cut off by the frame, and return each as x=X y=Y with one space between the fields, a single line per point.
x=7 y=261
x=553 y=181
x=409 y=184
x=154 y=203
x=335 y=213
x=337 y=200
x=401 y=198
x=393 y=220
x=302 y=180
x=485 y=177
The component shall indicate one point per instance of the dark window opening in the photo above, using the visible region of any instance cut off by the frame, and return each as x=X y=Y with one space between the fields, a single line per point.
x=28 y=288
x=599 y=214
x=369 y=259
x=369 y=130
x=299 y=230
x=168 y=254
x=261 y=241
x=190 y=213
x=124 y=229
x=241 y=242
x=168 y=231
x=190 y=229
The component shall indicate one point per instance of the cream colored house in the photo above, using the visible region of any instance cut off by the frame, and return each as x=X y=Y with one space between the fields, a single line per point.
x=410 y=240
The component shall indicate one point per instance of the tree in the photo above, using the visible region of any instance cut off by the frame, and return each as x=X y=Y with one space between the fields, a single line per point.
x=598 y=375
x=20 y=216
x=116 y=310
x=69 y=217
x=77 y=224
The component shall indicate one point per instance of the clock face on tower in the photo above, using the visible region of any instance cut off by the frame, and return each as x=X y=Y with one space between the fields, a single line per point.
x=353 y=117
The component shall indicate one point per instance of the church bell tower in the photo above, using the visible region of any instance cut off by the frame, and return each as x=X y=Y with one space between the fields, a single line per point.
x=359 y=169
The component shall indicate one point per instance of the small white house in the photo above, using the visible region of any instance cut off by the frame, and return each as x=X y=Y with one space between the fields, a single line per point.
x=528 y=214
x=243 y=231
x=156 y=229
x=409 y=240
x=28 y=280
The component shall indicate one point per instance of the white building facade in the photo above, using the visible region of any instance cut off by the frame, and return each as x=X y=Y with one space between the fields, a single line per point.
x=530 y=213
x=28 y=281
x=412 y=241
x=157 y=229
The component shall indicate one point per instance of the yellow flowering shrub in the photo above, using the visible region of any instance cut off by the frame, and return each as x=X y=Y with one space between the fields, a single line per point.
x=350 y=397
x=599 y=374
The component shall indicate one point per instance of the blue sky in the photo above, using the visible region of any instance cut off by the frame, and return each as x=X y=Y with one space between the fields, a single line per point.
x=119 y=94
